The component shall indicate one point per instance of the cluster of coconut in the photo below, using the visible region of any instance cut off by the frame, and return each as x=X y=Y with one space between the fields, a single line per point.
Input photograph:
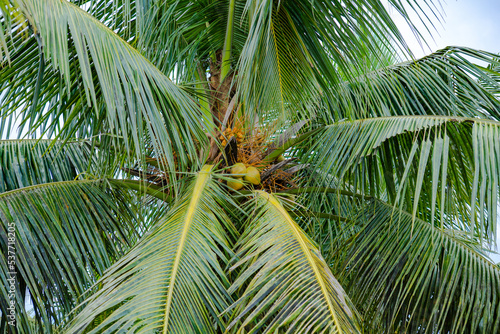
x=241 y=172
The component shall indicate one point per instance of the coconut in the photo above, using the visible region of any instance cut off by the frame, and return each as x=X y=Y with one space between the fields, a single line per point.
x=252 y=176
x=238 y=168
x=235 y=184
x=280 y=158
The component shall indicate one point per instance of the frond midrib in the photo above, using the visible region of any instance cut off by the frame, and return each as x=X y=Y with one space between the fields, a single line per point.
x=43 y=185
x=274 y=202
x=201 y=181
x=455 y=119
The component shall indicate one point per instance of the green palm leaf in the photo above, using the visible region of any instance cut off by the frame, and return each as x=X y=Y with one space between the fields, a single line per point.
x=411 y=277
x=389 y=172
x=297 y=51
x=29 y=162
x=76 y=229
x=274 y=54
x=393 y=157
x=447 y=82
x=172 y=280
x=191 y=32
x=284 y=282
x=124 y=93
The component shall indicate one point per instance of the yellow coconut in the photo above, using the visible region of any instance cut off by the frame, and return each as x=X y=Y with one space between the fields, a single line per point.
x=252 y=175
x=280 y=158
x=235 y=184
x=238 y=168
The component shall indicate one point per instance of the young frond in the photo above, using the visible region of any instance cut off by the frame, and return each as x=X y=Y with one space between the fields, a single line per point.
x=284 y=282
x=173 y=280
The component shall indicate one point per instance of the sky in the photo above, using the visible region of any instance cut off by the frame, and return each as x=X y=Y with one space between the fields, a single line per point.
x=469 y=23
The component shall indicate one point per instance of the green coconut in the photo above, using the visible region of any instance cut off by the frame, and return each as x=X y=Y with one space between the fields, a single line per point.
x=252 y=176
x=235 y=184
x=280 y=158
x=238 y=168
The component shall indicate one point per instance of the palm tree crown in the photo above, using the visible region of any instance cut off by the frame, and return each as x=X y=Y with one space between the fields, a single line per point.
x=240 y=166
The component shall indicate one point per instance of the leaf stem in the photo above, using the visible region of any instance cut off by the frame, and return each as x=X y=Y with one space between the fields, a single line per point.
x=141 y=186
x=324 y=190
x=303 y=213
x=228 y=43
x=202 y=87
x=292 y=142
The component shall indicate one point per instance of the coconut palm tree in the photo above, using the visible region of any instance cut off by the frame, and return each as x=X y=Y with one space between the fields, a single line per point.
x=243 y=167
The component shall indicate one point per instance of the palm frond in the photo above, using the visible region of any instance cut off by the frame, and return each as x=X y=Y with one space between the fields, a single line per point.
x=296 y=50
x=33 y=90
x=173 y=34
x=190 y=33
x=110 y=86
x=448 y=82
x=121 y=16
x=273 y=65
x=29 y=162
x=172 y=280
x=329 y=221
x=284 y=282
x=409 y=276
x=392 y=158
x=57 y=239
